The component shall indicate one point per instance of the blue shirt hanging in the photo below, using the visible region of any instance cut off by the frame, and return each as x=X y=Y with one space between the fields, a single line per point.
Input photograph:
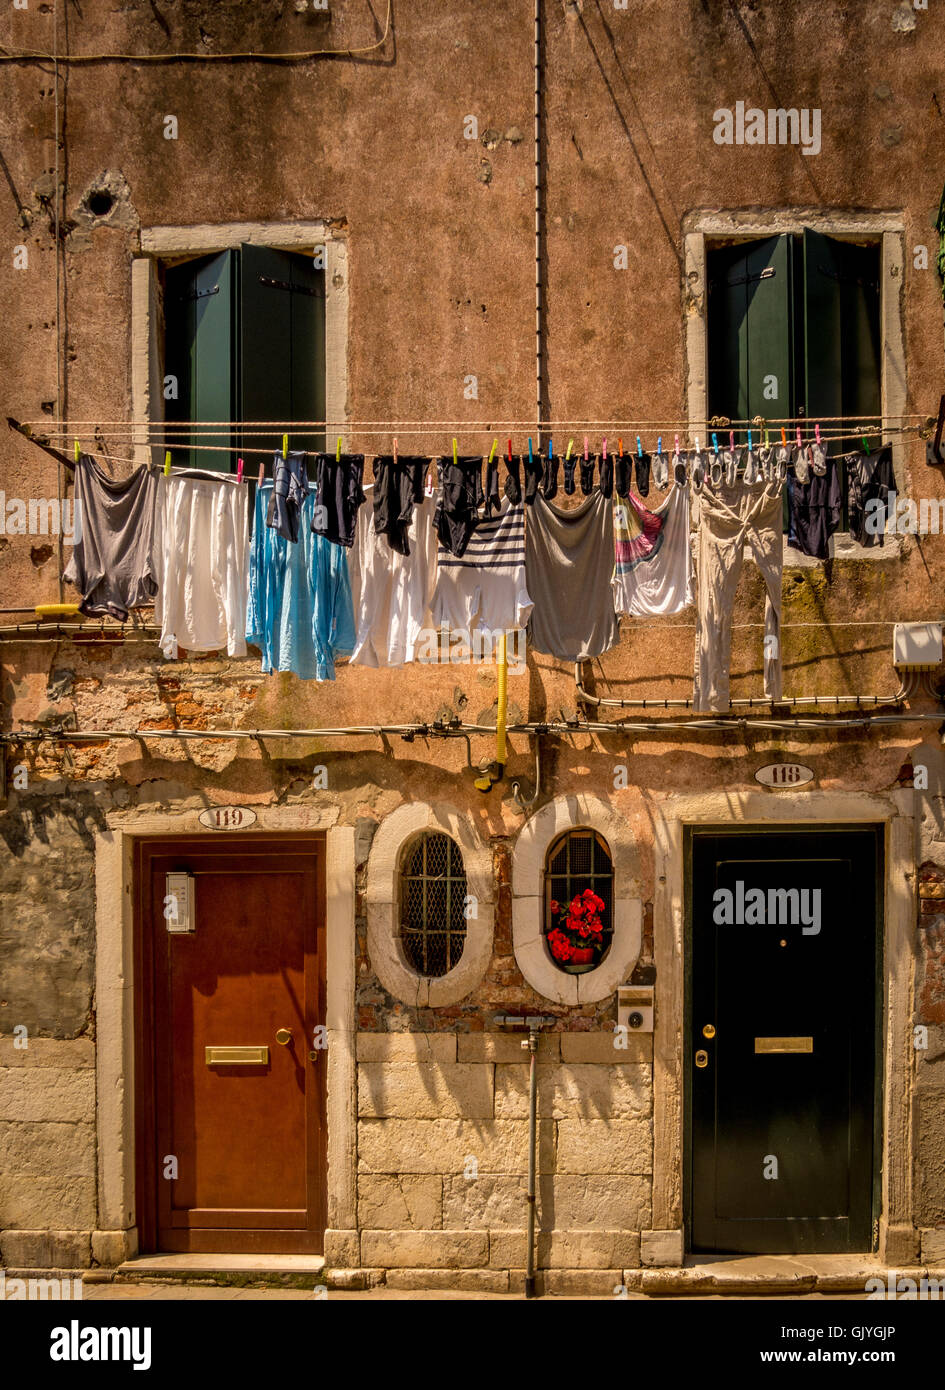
x=300 y=613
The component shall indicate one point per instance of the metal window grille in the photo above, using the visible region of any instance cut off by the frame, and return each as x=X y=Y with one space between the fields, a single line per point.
x=433 y=898
x=580 y=859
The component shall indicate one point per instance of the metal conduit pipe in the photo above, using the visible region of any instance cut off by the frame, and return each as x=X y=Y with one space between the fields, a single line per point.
x=409 y=732
x=906 y=689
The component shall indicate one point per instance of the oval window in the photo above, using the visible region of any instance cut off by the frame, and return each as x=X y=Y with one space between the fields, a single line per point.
x=432 y=904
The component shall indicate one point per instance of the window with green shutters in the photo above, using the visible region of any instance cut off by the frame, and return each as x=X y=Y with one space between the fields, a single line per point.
x=794 y=330
x=244 y=340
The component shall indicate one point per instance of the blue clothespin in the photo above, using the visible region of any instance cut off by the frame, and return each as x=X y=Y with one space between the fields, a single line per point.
x=715 y=444
x=639 y=448
x=550 y=452
x=659 y=445
x=529 y=449
x=749 y=441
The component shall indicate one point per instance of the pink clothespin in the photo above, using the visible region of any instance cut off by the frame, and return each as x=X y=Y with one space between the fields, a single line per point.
x=605 y=450
x=731 y=440
x=239 y=470
x=585 y=448
x=676 y=445
x=395 y=450
x=817 y=434
x=800 y=442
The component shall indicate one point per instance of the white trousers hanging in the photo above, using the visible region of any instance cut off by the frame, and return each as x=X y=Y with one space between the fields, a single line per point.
x=733 y=519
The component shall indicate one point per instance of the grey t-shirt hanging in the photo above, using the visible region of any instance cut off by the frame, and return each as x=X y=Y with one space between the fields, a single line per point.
x=569 y=563
x=111 y=563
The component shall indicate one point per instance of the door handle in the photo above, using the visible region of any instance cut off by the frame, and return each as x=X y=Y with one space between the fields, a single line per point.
x=284 y=1037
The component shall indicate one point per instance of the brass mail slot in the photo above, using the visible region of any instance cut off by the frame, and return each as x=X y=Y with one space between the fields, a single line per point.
x=784 y=1044
x=237 y=1056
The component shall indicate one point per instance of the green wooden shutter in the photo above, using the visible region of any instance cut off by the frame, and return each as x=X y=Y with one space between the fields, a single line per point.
x=842 y=353
x=200 y=308
x=282 y=345
x=750 y=330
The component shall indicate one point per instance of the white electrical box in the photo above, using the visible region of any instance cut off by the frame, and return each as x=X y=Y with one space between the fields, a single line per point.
x=635 y=1008
x=179 y=902
x=917 y=646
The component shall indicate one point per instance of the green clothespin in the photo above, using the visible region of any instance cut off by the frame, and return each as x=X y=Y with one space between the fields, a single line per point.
x=338 y=450
x=866 y=445
x=167 y=463
x=285 y=446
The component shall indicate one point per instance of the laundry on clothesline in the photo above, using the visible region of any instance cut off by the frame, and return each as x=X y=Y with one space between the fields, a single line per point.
x=653 y=559
x=392 y=591
x=112 y=563
x=485 y=588
x=569 y=564
x=323 y=575
x=201 y=562
x=299 y=611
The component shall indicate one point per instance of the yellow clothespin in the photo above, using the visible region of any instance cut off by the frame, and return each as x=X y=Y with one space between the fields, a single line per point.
x=338 y=450
x=454 y=451
x=570 y=446
x=167 y=463
x=495 y=445
x=77 y=451
x=285 y=446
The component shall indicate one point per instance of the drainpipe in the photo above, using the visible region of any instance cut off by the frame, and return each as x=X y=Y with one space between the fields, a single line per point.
x=532 y=1137
x=494 y=772
x=533 y=1022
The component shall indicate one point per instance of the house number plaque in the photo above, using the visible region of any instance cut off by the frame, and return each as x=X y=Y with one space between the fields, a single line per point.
x=227 y=817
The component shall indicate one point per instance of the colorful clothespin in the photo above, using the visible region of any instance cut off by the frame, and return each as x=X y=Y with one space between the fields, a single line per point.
x=766 y=437
x=495 y=445
x=550 y=450
x=817 y=434
x=676 y=445
x=77 y=451
x=167 y=463
x=585 y=448
x=285 y=439
x=570 y=447
x=715 y=443
x=697 y=444
x=639 y=448
x=783 y=438
x=510 y=451
x=659 y=446
x=395 y=448
x=866 y=445
x=239 y=470
x=529 y=448
x=620 y=447
x=800 y=442
x=262 y=473
x=749 y=441
x=285 y=446
x=604 y=451
x=731 y=440
x=455 y=460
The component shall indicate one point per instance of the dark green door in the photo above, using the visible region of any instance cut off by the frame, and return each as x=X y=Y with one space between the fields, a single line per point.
x=782 y=1033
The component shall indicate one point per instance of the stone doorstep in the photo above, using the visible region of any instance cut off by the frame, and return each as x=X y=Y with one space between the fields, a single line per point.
x=775 y=1274
x=279 y=1271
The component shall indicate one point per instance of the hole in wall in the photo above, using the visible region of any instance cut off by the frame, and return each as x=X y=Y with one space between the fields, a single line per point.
x=100 y=202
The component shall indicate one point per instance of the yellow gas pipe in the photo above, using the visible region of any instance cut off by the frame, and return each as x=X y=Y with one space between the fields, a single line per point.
x=487 y=781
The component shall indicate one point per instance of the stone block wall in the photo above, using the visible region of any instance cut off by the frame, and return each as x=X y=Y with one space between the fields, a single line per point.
x=47 y=1153
x=930 y=1079
x=443 y=1155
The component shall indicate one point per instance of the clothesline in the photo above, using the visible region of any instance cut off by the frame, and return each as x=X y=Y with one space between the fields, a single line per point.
x=475 y=426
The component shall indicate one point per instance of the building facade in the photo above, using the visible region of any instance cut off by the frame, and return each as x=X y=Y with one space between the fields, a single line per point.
x=256 y=990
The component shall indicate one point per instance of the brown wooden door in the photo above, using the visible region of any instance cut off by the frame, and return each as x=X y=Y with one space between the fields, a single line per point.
x=245 y=1140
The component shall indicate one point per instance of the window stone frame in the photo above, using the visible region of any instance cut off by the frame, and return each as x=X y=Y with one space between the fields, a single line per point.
x=575 y=812
x=382 y=905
